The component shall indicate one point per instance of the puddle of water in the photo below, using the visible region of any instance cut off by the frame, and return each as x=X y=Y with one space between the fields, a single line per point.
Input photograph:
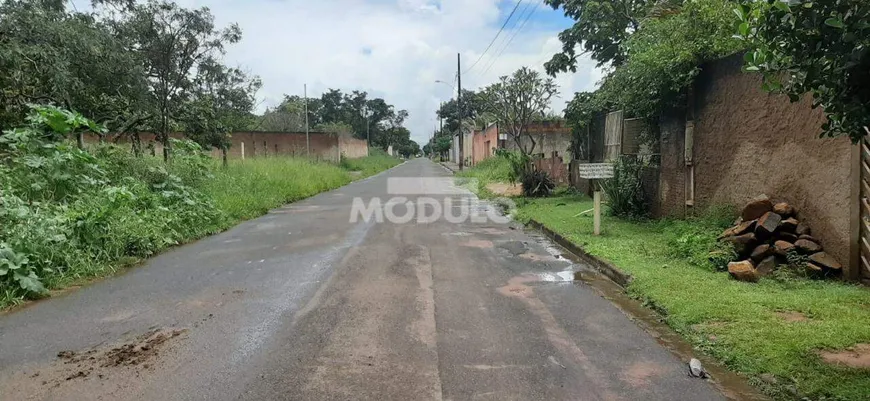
x=730 y=384
x=566 y=276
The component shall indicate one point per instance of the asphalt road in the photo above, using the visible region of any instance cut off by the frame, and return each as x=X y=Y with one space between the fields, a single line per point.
x=304 y=304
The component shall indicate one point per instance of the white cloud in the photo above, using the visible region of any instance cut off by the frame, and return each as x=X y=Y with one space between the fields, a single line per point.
x=394 y=49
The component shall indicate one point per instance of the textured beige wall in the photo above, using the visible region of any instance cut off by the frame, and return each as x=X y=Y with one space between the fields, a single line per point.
x=749 y=142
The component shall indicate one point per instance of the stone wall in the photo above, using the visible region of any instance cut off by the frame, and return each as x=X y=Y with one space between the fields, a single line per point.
x=749 y=142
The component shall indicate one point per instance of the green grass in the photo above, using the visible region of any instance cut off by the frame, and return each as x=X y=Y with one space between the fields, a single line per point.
x=105 y=232
x=370 y=165
x=249 y=188
x=732 y=321
x=491 y=170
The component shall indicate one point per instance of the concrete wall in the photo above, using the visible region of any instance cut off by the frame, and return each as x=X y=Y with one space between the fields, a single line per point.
x=324 y=146
x=468 y=147
x=552 y=139
x=749 y=142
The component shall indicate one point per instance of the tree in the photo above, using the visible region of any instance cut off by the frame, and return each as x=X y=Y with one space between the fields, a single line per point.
x=817 y=47
x=601 y=28
x=519 y=99
x=289 y=116
x=172 y=42
x=473 y=107
x=221 y=102
x=51 y=56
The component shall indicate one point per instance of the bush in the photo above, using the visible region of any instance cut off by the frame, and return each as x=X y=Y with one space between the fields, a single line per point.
x=537 y=184
x=624 y=191
x=67 y=213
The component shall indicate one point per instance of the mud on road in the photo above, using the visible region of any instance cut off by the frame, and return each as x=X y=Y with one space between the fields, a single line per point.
x=110 y=367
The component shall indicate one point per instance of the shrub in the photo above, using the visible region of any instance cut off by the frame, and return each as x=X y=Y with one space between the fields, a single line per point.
x=537 y=183
x=67 y=213
x=624 y=191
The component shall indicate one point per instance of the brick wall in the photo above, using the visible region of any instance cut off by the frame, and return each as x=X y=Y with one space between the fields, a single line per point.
x=324 y=146
x=748 y=142
x=485 y=141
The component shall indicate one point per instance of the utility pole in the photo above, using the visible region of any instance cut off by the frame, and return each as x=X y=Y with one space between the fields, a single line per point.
x=307 y=138
x=459 y=108
x=368 y=131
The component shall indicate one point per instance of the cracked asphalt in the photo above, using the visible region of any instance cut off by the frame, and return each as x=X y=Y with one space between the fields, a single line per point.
x=303 y=304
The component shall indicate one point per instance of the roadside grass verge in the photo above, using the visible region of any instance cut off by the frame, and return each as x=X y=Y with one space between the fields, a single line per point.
x=740 y=324
x=68 y=216
x=372 y=164
x=491 y=170
x=250 y=188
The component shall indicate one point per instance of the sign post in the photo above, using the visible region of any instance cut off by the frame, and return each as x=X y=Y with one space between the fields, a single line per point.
x=595 y=172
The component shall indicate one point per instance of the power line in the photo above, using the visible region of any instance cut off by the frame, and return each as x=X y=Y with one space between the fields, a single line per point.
x=496 y=35
x=511 y=38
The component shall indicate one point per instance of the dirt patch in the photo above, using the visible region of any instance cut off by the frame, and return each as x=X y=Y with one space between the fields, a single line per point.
x=99 y=361
x=791 y=316
x=504 y=189
x=857 y=357
x=138 y=352
x=477 y=243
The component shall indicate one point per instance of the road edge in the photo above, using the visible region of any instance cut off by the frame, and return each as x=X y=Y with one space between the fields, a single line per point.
x=612 y=272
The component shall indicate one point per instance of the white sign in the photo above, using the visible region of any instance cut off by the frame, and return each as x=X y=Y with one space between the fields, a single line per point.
x=595 y=170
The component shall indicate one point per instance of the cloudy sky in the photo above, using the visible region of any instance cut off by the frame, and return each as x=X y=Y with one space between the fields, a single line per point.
x=395 y=49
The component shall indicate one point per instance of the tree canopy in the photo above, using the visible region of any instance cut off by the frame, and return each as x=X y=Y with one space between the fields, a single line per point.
x=335 y=111
x=816 y=47
x=131 y=66
x=517 y=100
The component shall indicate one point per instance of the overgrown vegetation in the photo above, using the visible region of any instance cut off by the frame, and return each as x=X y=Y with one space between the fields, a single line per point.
x=69 y=214
x=654 y=50
x=657 y=59
x=738 y=323
x=372 y=164
x=500 y=168
x=537 y=184
x=625 y=196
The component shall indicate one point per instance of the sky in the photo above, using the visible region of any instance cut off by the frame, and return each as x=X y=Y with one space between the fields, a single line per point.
x=395 y=49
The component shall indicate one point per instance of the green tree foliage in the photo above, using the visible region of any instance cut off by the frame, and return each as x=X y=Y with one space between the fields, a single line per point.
x=220 y=103
x=662 y=58
x=132 y=66
x=473 y=108
x=172 y=42
x=48 y=55
x=601 y=29
x=816 y=47
x=335 y=111
x=517 y=100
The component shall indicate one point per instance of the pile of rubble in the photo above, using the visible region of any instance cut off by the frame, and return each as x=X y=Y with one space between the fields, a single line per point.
x=766 y=234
